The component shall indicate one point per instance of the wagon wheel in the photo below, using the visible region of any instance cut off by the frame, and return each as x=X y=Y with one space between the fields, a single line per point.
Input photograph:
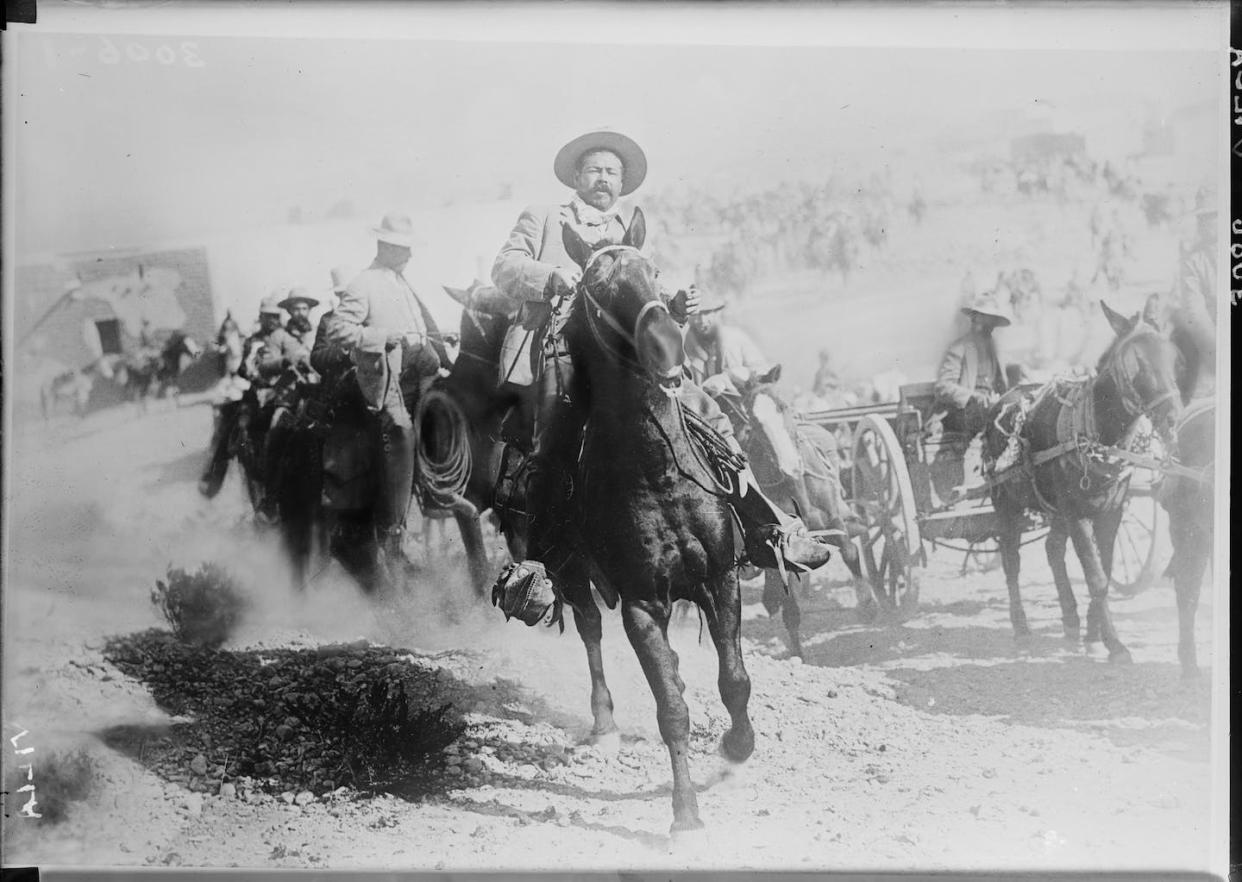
x=884 y=500
x=1137 y=548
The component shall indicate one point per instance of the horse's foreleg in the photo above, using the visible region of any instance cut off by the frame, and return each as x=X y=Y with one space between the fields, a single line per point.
x=1010 y=539
x=1191 y=539
x=1054 y=548
x=1099 y=620
x=471 y=528
x=722 y=607
x=646 y=626
x=590 y=629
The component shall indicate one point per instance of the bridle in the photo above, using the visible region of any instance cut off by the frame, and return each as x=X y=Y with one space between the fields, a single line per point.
x=1115 y=369
x=595 y=313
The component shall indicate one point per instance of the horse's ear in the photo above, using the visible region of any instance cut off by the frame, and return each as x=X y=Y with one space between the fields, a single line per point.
x=637 y=232
x=1121 y=324
x=771 y=375
x=575 y=246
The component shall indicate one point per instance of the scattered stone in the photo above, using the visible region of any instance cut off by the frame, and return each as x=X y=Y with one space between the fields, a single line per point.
x=287 y=797
x=198 y=765
x=304 y=798
x=227 y=790
x=193 y=804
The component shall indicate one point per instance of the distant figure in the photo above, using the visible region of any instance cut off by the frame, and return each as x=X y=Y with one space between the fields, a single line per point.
x=229 y=345
x=827 y=383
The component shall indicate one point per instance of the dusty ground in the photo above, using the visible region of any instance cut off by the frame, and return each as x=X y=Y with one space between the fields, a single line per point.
x=937 y=743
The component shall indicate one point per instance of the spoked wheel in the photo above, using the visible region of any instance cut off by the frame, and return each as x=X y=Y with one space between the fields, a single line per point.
x=883 y=498
x=1136 y=551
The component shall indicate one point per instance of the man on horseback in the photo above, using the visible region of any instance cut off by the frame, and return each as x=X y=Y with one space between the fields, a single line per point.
x=298 y=304
x=534 y=269
x=393 y=342
x=272 y=356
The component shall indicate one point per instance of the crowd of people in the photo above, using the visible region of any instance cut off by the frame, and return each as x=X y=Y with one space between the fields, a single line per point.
x=792 y=226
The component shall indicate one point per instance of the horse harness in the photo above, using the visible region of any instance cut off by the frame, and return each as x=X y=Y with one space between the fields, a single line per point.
x=1076 y=427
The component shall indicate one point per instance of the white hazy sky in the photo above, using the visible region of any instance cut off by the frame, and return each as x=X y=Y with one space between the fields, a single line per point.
x=139 y=150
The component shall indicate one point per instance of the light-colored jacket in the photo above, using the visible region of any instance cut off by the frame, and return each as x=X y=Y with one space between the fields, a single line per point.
x=378 y=302
x=958 y=377
x=733 y=353
x=535 y=248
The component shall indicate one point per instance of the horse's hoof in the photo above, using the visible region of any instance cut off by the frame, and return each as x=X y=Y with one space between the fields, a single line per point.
x=1073 y=634
x=1022 y=633
x=1120 y=657
x=607 y=743
x=688 y=836
x=737 y=746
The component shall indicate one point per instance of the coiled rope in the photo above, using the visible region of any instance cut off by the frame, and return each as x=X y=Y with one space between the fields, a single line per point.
x=441 y=449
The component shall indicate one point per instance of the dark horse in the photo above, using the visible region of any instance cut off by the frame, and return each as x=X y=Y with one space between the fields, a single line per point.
x=328 y=490
x=817 y=498
x=650 y=524
x=1187 y=491
x=1066 y=468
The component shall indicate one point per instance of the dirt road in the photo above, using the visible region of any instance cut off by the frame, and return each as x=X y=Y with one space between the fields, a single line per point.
x=936 y=743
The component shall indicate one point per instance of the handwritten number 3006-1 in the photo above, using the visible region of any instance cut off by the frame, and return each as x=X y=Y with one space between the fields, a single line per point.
x=109 y=53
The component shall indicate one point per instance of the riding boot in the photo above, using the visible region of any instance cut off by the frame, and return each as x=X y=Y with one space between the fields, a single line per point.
x=525 y=589
x=769 y=531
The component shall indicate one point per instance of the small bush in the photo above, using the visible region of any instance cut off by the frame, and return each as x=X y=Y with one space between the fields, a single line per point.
x=203 y=607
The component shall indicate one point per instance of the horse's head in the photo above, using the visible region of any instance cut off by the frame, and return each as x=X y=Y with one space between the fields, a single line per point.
x=1142 y=364
x=621 y=305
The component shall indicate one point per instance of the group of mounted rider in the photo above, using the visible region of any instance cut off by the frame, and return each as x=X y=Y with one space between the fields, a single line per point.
x=380 y=345
x=378 y=353
x=634 y=414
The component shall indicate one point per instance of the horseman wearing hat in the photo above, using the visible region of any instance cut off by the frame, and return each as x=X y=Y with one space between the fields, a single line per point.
x=269 y=355
x=299 y=304
x=720 y=354
x=971 y=376
x=393 y=342
x=534 y=269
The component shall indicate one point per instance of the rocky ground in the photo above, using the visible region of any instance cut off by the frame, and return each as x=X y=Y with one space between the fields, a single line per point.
x=933 y=743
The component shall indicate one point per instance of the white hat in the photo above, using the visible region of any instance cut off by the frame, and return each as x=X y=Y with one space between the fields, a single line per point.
x=341 y=277
x=395 y=229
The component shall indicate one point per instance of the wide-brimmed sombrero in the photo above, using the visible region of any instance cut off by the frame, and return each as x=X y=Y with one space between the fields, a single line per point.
x=632 y=157
x=298 y=294
x=341 y=277
x=268 y=305
x=986 y=303
x=395 y=229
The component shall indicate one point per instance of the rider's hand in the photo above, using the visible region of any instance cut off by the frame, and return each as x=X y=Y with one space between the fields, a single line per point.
x=393 y=340
x=685 y=303
x=563 y=280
